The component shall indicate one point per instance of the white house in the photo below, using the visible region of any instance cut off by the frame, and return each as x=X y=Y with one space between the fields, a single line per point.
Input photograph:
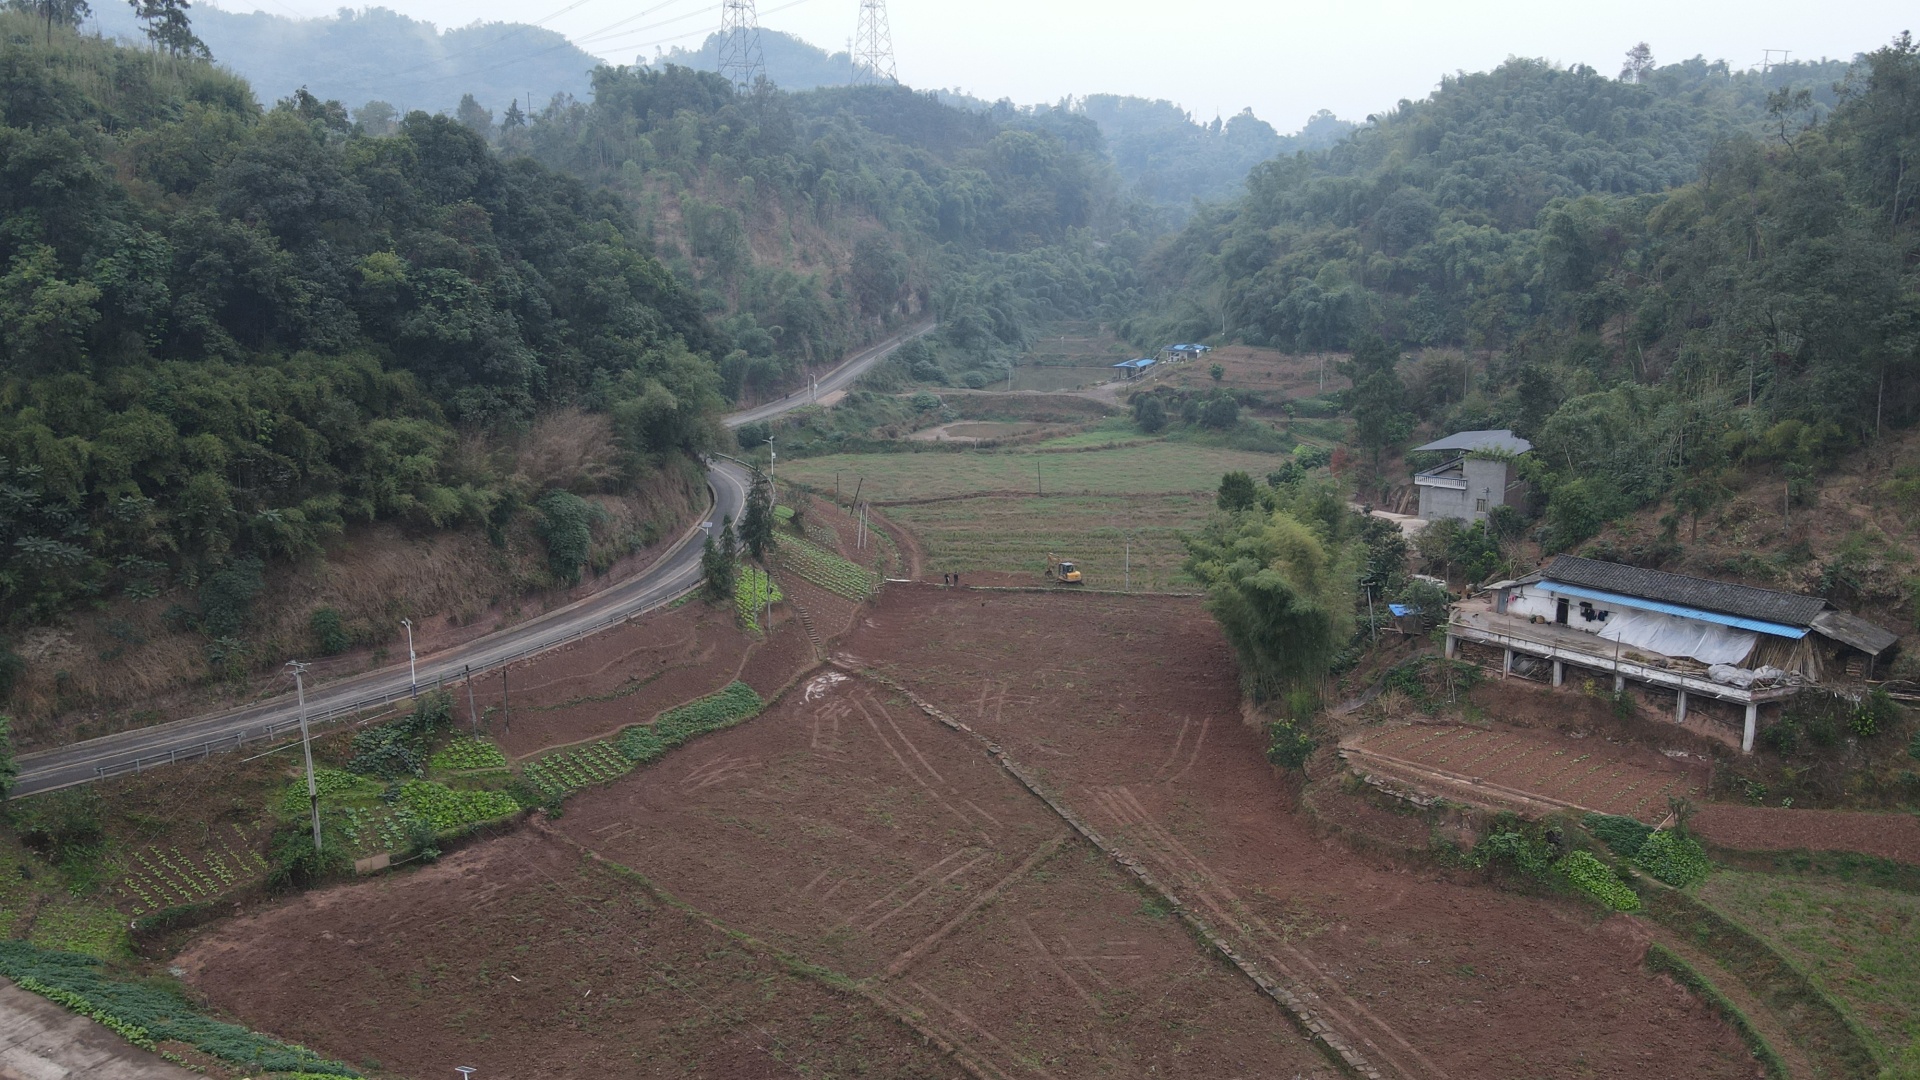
x=1479 y=476
x=1697 y=637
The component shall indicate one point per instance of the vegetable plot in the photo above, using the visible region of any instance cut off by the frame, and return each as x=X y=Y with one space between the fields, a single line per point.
x=752 y=589
x=445 y=809
x=827 y=570
x=582 y=766
x=164 y=877
x=468 y=753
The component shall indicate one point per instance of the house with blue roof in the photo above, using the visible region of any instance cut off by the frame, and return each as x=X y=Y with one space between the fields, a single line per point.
x=1737 y=649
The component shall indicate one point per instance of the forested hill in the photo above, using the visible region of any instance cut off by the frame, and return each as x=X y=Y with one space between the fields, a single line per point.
x=228 y=332
x=1659 y=280
x=809 y=222
x=1168 y=158
x=378 y=55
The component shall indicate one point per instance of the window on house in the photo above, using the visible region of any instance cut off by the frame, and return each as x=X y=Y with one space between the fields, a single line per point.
x=1480 y=506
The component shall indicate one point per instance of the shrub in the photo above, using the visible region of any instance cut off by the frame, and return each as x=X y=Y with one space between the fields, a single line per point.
x=1875 y=712
x=1515 y=850
x=1149 y=413
x=1288 y=746
x=1236 y=492
x=329 y=631
x=1673 y=857
x=9 y=764
x=296 y=864
x=1623 y=835
x=566 y=526
x=399 y=748
x=1594 y=878
x=227 y=595
x=1312 y=457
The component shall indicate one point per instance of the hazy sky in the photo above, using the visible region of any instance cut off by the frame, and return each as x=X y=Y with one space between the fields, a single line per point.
x=1217 y=56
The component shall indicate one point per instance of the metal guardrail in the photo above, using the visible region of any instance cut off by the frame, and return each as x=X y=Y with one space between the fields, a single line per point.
x=335 y=713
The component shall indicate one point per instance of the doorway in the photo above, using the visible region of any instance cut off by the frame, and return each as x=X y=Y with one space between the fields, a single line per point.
x=1560 y=611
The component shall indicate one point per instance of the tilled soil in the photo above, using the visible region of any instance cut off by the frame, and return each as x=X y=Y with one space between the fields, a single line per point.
x=849 y=828
x=526 y=958
x=1127 y=708
x=626 y=675
x=1589 y=772
x=1768 y=828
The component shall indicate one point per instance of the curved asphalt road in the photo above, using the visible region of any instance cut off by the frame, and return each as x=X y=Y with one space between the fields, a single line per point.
x=668 y=578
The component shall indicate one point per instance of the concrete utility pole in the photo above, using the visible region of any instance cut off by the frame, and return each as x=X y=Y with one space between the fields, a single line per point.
x=306 y=746
x=473 y=713
x=413 y=674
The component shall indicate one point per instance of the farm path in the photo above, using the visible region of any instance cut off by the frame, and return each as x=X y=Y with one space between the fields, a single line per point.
x=1125 y=708
x=40 y=1040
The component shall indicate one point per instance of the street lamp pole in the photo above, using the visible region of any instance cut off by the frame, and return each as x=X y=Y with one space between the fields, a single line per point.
x=413 y=675
x=306 y=746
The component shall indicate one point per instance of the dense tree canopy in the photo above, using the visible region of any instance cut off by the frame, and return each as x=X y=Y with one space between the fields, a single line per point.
x=229 y=332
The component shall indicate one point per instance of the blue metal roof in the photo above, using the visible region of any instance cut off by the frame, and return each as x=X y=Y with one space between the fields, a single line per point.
x=1144 y=362
x=1617 y=600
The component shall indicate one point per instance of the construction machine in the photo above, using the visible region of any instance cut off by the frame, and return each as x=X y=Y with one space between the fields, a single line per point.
x=1061 y=573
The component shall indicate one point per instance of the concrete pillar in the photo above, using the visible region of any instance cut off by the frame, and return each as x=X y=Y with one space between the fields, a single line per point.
x=1619 y=682
x=1753 y=721
x=1680 y=708
x=1453 y=646
x=1559 y=673
x=1506 y=664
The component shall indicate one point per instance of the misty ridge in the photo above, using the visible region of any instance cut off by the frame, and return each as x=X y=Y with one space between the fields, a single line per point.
x=394 y=63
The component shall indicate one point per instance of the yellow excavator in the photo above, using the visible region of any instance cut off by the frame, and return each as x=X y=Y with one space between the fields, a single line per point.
x=1061 y=573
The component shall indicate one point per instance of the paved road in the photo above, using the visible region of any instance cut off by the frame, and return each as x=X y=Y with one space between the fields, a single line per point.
x=669 y=577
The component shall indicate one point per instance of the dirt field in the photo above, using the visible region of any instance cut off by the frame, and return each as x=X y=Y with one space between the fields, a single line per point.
x=525 y=958
x=916 y=878
x=1507 y=764
x=1766 y=828
x=1127 y=709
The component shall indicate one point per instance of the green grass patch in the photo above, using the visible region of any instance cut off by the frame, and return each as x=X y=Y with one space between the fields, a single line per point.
x=1858 y=943
x=150 y=1010
x=1151 y=468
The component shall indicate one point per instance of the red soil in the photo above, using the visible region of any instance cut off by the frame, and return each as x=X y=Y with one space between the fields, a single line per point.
x=527 y=959
x=1587 y=771
x=1768 y=828
x=849 y=828
x=1127 y=708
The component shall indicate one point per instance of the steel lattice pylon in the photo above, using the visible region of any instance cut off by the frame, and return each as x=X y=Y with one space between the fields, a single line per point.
x=873 y=45
x=740 y=59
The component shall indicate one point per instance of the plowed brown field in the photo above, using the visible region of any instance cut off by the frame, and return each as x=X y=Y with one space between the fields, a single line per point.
x=931 y=900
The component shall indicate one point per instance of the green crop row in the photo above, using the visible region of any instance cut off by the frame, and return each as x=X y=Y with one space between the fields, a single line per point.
x=468 y=753
x=444 y=808
x=165 y=877
x=1598 y=880
x=151 y=1012
x=752 y=589
x=330 y=783
x=646 y=742
x=581 y=766
x=828 y=570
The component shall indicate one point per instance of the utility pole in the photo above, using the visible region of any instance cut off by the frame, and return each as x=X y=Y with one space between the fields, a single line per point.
x=473 y=713
x=306 y=746
x=506 y=701
x=1127 y=565
x=872 y=46
x=740 y=59
x=413 y=674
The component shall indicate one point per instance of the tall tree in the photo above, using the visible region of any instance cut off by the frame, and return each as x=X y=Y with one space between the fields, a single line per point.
x=756 y=524
x=168 y=28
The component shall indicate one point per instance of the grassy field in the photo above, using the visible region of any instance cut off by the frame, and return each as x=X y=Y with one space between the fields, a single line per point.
x=1154 y=468
x=1856 y=941
x=1095 y=501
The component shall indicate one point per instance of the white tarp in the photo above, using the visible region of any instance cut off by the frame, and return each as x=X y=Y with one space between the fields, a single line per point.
x=1741 y=677
x=1669 y=635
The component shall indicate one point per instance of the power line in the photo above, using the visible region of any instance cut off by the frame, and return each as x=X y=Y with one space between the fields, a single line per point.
x=741 y=61
x=873 y=46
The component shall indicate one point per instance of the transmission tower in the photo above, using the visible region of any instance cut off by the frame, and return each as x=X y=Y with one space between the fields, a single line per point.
x=873 y=46
x=740 y=59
